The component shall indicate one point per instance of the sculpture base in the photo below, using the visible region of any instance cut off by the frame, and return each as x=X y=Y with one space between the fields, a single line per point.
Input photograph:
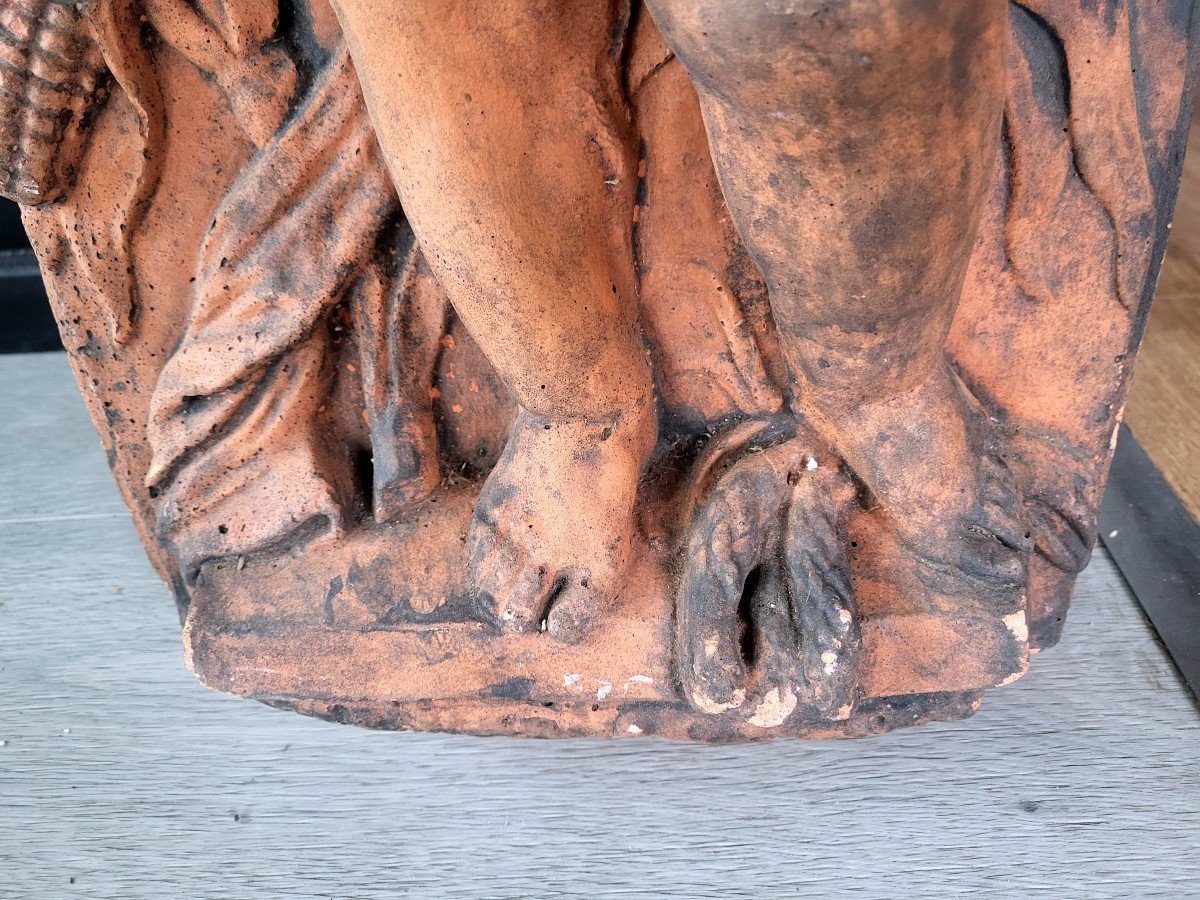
x=377 y=627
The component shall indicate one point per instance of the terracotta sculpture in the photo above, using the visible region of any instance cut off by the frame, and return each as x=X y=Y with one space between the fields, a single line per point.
x=718 y=369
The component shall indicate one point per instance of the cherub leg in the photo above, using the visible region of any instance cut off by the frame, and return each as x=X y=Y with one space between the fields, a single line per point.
x=853 y=141
x=504 y=130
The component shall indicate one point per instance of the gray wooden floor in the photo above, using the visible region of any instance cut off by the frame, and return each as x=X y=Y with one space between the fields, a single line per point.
x=121 y=777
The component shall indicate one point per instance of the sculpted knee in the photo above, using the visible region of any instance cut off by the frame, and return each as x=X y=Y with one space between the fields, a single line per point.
x=736 y=48
x=723 y=42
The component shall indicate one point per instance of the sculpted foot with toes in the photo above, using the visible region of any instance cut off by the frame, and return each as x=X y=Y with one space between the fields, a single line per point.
x=525 y=218
x=551 y=557
x=932 y=464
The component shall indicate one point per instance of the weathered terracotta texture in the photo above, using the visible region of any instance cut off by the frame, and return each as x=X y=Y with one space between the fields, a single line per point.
x=716 y=369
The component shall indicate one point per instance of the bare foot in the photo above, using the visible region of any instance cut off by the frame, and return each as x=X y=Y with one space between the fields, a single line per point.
x=554 y=525
x=934 y=465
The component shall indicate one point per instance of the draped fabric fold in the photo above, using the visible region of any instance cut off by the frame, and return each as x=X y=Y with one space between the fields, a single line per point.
x=238 y=413
x=1102 y=141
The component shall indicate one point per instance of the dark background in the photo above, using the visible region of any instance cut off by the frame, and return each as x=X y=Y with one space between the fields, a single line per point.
x=26 y=324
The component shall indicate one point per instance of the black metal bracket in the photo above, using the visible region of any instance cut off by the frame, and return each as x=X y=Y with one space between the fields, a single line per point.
x=26 y=323
x=1155 y=543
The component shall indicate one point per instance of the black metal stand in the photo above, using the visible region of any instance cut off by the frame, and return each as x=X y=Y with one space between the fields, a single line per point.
x=1156 y=544
x=26 y=324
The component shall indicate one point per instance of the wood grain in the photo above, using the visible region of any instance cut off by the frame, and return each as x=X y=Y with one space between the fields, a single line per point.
x=1163 y=409
x=118 y=771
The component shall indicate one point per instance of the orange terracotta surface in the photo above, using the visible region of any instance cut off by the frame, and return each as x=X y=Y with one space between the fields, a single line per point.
x=710 y=369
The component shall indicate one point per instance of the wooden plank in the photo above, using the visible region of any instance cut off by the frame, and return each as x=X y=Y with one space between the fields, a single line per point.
x=120 y=771
x=1163 y=407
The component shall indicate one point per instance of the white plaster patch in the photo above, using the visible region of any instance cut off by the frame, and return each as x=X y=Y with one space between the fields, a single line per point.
x=604 y=690
x=811 y=464
x=773 y=709
x=636 y=679
x=1015 y=675
x=571 y=680
x=633 y=729
x=1015 y=622
x=708 y=706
